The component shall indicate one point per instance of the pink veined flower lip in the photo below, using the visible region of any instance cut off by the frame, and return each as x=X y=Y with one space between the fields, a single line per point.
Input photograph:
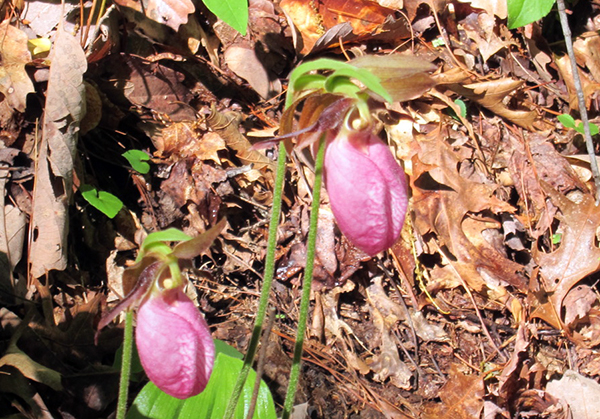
x=174 y=343
x=367 y=189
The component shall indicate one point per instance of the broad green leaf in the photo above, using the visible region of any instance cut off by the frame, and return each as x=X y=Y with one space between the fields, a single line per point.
x=594 y=129
x=151 y=403
x=232 y=12
x=138 y=160
x=567 y=120
x=103 y=201
x=523 y=12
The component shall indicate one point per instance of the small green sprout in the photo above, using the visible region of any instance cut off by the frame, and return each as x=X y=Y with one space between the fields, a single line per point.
x=568 y=122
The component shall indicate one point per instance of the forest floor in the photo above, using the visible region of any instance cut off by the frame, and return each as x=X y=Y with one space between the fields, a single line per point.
x=487 y=307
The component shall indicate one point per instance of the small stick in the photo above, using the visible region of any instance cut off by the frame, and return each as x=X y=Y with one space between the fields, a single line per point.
x=589 y=144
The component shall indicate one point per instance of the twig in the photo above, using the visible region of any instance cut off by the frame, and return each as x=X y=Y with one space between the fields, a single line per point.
x=589 y=144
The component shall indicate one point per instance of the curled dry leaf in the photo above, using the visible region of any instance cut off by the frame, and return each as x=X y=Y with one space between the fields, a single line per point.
x=15 y=83
x=491 y=95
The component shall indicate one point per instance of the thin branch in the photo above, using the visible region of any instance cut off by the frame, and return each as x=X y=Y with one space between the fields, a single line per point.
x=589 y=144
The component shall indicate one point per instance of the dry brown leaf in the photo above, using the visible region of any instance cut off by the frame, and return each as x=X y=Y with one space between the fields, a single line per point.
x=589 y=86
x=387 y=363
x=53 y=189
x=172 y=13
x=243 y=61
x=491 y=95
x=15 y=83
x=493 y=7
x=183 y=139
x=12 y=229
x=158 y=88
x=227 y=126
x=446 y=204
x=313 y=19
x=577 y=254
x=462 y=397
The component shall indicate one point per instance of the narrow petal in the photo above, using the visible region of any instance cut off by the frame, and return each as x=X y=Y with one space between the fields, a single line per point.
x=174 y=344
x=367 y=190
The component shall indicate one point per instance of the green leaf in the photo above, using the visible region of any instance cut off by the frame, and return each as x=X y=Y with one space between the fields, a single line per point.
x=232 y=12
x=593 y=128
x=462 y=106
x=138 y=160
x=339 y=68
x=151 y=403
x=523 y=12
x=168 y=235
x=567 y=120
x=103 y=201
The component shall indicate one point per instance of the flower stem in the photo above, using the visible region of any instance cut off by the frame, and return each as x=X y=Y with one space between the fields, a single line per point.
x=308 y=276
x=266 y=287
x=125 y=366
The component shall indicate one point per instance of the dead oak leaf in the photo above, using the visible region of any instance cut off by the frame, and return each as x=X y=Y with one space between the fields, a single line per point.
x=172 y=13
x=447 y=204
x=314 y=18
x=462 y=397
x=491 y=95
x=15 y=83
x=578 y=254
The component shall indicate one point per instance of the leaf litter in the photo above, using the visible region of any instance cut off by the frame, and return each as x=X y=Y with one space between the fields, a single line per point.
x=473 y=312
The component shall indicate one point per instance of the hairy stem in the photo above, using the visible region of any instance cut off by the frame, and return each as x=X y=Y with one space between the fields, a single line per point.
x=266 y=287
x=125 y=366
x=308 y=276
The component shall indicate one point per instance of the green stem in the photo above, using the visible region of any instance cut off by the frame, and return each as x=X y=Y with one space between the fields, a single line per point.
x=266 y=287
x=125 y=366
x=308 y=276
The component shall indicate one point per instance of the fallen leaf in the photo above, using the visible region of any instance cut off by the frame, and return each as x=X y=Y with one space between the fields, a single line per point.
x=492 y=94
x=578 y=302
x=172 y=13
x=15 y=83
x=582 y=394
x=462 y=397
x=446 y=204
x=12 y=228
x=160 y=88
x=577 y=254
x=227 y=126
x=54 y=177
x=244 y=61
x=387 y=363
x=31 y=369
x=314 y=18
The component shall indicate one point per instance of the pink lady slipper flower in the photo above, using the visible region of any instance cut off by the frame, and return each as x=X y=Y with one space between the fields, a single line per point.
x=366 y=187
x=174 y=343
